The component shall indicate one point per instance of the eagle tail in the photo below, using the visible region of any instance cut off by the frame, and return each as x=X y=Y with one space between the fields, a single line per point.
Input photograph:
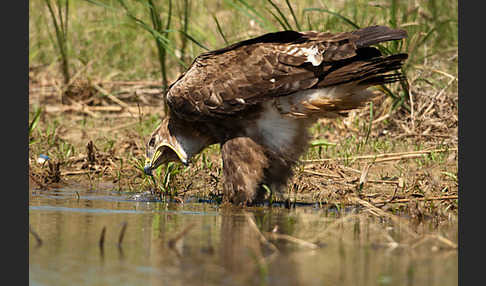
x=377 y=34
x=344 y=88
x=366 y=71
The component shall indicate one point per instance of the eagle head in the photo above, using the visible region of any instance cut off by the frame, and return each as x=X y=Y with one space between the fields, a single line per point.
x=163 y=147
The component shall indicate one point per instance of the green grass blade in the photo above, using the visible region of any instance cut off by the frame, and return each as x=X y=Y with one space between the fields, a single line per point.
x=220 y=31
x=194 y=40
x=412 y=53
x=262 y=21
x=59 y=16
x=368 y=132
x=321 y=142
x=154 y=16
x=169 y=16
x=158 y=35
x=101 y=4
x=289 y=27
x=309 y=24
x=286 y=28
x=35 y=120
x=157 y=25
x=293 y=15
x=393 y=13
x=185 y=28
x=61 y=41
x=66 y=13
x=346 y=20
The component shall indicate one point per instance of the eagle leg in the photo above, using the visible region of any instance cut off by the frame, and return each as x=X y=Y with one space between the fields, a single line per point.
x=278 y=172
x=244 y=164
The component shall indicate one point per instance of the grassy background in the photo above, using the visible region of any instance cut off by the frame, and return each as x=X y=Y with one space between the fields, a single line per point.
x=103 y=42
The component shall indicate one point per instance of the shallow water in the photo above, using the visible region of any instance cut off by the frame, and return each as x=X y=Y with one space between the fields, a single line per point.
x=202 y=244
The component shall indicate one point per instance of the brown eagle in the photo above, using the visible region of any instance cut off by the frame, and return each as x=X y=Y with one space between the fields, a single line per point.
x=257 y=98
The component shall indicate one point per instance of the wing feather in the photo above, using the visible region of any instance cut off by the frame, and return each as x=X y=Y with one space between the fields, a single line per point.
x=233 y=79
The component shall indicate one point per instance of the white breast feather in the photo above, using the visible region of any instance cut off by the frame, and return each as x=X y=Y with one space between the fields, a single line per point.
x=276 y=130
x=279 y=131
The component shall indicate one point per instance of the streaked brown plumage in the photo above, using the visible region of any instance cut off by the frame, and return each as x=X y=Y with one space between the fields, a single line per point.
x=258 y=97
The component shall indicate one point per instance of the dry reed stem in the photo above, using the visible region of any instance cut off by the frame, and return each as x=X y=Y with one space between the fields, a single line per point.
x=141 y=83
x=383 y=182
x=130 y=110
x=80 y=172
x=453 y=197
x=394 y=156
x=364 y=174
x=380 y=119
x=110 y=96
x=129 y=124
x=423 y=135
x=321 y=174
x=381 y=203
x=398 y=158
x=83 y=108
x=433 y=99
x=436 y=71
x=412 y=113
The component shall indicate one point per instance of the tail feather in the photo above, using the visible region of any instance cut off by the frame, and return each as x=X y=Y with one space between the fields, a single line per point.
x=362 y=70
x=377 y=34
x=382 y=79
x=345 y=67
x=343 y=89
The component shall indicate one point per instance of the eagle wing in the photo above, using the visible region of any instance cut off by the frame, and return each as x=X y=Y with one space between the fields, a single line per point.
x=237 y=78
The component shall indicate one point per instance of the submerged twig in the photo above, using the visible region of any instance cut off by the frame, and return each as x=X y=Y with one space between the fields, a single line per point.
x=295 y=240
x=438 y=237
x=36 y=236
x=174 y=240
x=122 y=234
x=102 y=239
x=259 y=233
x=445 y=241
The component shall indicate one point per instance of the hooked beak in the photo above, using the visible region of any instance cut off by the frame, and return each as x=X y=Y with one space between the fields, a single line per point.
x=158 y=158
x=147 y=169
